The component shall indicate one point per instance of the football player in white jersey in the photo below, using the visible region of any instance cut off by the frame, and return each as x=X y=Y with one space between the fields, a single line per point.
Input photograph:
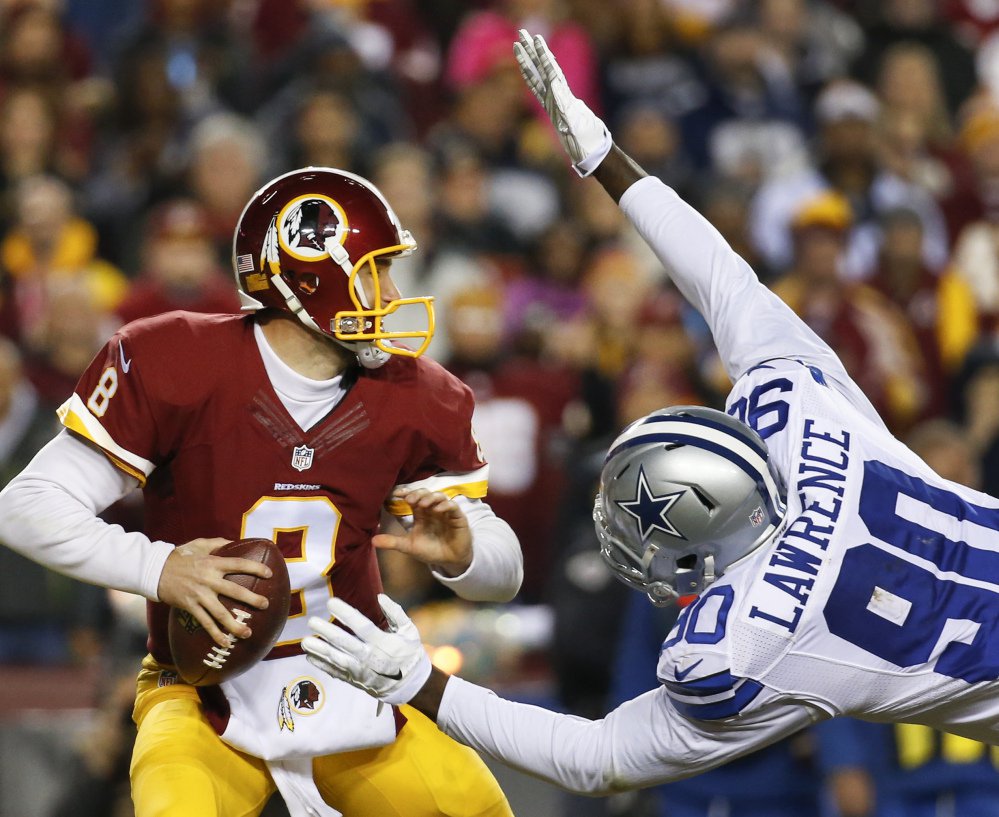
x=835 y=572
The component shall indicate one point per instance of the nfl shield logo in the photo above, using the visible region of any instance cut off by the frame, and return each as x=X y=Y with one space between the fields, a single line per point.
x=301 y=457
x=755 y=518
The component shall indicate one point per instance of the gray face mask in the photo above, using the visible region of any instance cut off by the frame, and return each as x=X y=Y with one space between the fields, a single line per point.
x=685 y=492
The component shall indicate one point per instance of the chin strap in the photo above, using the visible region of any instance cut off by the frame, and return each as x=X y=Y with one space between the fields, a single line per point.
x=369 y=355
x=709 y=570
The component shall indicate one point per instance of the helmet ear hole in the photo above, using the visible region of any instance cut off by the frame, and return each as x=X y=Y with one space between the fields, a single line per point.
x=304 y=282
x=688 y=562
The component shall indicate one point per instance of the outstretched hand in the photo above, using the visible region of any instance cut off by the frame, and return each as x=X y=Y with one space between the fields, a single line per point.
x=582 y=133
x=440 y=535
x=392 y=665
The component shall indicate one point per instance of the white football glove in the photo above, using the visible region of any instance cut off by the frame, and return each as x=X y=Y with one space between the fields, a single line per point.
x=392 y=666
x=582 y=133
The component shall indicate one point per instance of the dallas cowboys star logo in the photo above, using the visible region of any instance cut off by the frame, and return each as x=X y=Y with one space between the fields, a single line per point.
x=650 y=510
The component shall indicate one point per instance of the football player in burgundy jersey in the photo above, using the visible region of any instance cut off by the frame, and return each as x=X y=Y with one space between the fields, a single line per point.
x=306 y=421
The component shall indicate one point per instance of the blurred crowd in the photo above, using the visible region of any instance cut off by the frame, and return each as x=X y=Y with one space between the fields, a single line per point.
x=849 y=150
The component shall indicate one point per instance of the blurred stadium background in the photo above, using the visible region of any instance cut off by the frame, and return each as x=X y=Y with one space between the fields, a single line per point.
x=849 y=149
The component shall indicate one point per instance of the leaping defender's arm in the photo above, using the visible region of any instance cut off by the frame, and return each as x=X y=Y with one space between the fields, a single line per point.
x=642 y=742
x=749 y=323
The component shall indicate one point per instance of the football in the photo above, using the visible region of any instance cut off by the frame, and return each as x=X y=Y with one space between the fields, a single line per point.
x=199 y=660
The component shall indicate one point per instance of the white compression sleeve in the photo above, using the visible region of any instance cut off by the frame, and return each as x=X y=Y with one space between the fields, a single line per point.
x=48 y=513
x=641 y=743
x=749 y=323
x=497 y=567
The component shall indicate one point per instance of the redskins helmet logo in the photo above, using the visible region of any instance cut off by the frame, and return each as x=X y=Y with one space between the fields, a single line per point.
x=307 y=222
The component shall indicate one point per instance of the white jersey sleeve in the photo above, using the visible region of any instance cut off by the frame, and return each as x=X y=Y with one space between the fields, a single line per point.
x=750 y=325
x=48 y=513
x=643 y=742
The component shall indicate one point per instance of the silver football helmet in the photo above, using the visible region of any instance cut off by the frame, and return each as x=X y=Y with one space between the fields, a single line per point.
x=685 y=492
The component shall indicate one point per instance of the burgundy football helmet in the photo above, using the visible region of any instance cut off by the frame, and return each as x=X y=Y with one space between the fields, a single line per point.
x=303 y=244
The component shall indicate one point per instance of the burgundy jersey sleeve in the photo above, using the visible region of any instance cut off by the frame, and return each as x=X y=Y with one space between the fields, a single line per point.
x=452 y=460
x=133 y=399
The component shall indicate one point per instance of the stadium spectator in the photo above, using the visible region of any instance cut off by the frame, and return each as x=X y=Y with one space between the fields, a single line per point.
x=616 y=288
x=602 y=227
x=25 y=423
x=909 y=81
x=27 y=137
x=846 y=162
x=181 y=270
x=206 y=63
x=939 y=306
x=51 y=242
x=726 y=205
x=484 y=119
x=98 y=783
x=751 y=118
x=642 y=65
x=904 y=150
x=949 y=449
x=466 y=220
x=664 y=370
x=325 y=133
x=904 y=770
x=67 y=334
x=226 y=166
x=549 y=292
x=976 y=252
x=35 y=49
x=482 y=44
x=445 y=263
x=868 y=332
x=976 y=406
x=810 y=42
x=919 y=22
x=140 y=154
x=648 y=132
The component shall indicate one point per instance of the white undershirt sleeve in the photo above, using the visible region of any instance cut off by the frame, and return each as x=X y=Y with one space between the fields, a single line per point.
x=48 y=513
x=749 y=323
x=643 y=742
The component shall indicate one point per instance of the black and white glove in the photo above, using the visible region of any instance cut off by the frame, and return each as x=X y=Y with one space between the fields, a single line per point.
x=392 y=665
x=582 y=133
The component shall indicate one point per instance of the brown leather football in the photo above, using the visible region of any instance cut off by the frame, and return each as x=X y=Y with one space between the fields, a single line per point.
x=199 y=660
